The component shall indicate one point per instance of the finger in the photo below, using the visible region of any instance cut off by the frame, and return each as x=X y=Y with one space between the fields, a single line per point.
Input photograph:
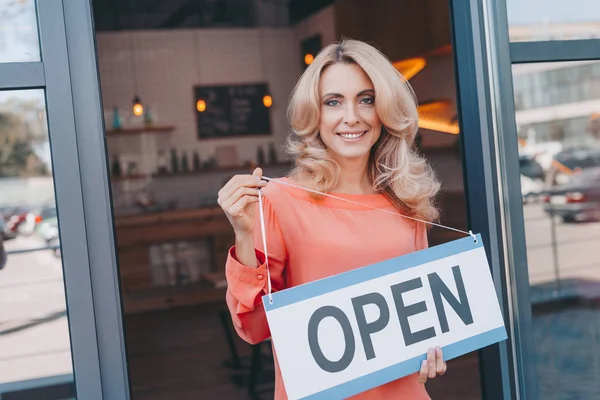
x=444 y=368
x=258 y=172
x=440 y=365
x=431 y=363
x=245 y=181
x=228 y=185
x=235 y=197
x=423 y=372
x=238 y=208
x=228 y=199
x=242 y=180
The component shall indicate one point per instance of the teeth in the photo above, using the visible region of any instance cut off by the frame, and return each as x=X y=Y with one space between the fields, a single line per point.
x=351 y=135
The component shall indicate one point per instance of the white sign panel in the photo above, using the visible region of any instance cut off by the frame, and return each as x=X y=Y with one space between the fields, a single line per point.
x=348 y=333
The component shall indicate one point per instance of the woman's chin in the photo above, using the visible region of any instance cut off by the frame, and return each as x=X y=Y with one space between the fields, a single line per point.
x=351 y=154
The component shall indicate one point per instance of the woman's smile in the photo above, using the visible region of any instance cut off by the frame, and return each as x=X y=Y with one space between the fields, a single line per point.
x=352 y=136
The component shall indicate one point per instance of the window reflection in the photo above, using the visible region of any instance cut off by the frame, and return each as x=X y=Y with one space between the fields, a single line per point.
x=559 y=135
x=18 y=31
x=35 y=352
x=549 y=84
x=539 y=20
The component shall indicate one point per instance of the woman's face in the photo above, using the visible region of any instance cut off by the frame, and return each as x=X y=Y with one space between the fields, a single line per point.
x=349 y=124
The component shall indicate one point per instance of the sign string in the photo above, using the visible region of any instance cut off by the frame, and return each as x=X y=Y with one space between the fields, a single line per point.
x=280 y=181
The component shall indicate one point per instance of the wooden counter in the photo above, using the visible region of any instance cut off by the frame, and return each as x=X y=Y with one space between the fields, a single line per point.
x=137 y=234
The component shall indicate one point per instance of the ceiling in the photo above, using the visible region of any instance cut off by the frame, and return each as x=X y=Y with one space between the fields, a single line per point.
x=114 y=15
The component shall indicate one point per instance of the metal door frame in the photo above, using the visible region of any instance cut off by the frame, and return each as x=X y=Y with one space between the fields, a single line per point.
x=68 y=74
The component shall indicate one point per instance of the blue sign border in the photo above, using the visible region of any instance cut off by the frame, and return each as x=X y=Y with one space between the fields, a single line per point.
x=407 y=367
x=377 y=270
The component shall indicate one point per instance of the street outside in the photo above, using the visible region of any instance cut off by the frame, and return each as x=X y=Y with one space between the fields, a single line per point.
x=34 y=335
x=577 y=250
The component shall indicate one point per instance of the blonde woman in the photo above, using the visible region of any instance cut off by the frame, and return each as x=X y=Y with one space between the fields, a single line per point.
x=353 y=120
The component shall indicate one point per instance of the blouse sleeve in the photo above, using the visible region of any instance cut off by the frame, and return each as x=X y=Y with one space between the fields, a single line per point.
x=246 y=285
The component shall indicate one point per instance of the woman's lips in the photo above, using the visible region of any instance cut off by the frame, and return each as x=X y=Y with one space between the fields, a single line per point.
x=351 y=136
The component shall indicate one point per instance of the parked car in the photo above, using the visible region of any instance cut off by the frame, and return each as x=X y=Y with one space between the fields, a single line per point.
x=578 y=199
x=568 y=162
x=532 y=177
x=47 y=226
x=20 y=220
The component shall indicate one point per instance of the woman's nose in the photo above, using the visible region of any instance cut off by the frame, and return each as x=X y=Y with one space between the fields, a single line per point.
x=350 y=116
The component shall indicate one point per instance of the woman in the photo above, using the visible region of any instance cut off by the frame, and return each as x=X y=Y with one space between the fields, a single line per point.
x=353 y=120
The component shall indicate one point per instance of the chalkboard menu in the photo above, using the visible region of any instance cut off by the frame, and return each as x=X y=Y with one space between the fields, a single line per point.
x=229 y=111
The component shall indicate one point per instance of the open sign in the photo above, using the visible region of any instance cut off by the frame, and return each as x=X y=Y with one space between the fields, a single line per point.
x=348 y=333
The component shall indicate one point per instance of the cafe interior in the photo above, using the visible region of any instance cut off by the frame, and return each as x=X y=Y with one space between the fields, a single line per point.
x=196 y=91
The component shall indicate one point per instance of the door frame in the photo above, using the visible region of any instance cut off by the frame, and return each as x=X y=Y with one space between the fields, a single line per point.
x=67 y=72
x=492 y=187
x=97 y=198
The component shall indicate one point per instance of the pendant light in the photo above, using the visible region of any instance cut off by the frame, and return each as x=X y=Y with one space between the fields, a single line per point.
x=138 y=108
x=267 y=98
x=200 y=103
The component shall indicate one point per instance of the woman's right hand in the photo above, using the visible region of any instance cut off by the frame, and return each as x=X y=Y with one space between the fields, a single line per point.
x=237 y=200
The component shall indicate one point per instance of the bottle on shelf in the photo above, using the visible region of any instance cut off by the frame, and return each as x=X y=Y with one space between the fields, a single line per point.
x=117 y=122
x=174 y=161
x=272 y=154
x=148 y=117
x=196 y=161
x=115 y=168
x=185 y=167
x=260 y=156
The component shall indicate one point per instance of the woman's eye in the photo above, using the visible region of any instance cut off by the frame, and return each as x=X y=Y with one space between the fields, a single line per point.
x=368 y=100
x=332 y=103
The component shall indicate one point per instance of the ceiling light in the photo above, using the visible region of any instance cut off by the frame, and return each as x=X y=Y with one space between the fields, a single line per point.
x=410 y=67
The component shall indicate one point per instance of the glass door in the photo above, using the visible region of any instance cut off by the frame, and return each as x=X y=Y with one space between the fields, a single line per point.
x=531 y=101
x=50 y=347
x=554 y=114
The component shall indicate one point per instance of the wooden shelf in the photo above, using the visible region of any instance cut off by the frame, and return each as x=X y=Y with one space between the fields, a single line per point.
x=242 y=168
x=170 y=216
x=141 y=130
x=239 y=168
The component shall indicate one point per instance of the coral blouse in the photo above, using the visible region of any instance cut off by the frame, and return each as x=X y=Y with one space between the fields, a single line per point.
x=310 y=239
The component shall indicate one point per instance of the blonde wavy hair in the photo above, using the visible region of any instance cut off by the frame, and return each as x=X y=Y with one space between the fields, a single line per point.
x=395 y=169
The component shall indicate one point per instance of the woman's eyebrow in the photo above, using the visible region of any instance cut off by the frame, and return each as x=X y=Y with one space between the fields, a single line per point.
x=366 y=91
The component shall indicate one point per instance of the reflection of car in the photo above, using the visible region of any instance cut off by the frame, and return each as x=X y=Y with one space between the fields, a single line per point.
x=577 y=200
x=569 y=161
x=532 y=177
x=20 y=220
x=47 y=227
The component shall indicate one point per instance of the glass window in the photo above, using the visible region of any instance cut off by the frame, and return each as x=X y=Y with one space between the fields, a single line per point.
x=551 y=84
x=538 y=20
x=18 y=31
x=560 y=183
x=35 y=350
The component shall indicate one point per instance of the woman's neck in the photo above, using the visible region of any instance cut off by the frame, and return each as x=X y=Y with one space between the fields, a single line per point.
x=354 y=178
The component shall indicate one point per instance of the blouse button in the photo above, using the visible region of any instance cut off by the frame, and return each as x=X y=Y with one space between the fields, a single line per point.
x=260 y=277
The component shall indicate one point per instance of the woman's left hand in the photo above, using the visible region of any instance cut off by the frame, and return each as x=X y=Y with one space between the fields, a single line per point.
x=433 y=366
